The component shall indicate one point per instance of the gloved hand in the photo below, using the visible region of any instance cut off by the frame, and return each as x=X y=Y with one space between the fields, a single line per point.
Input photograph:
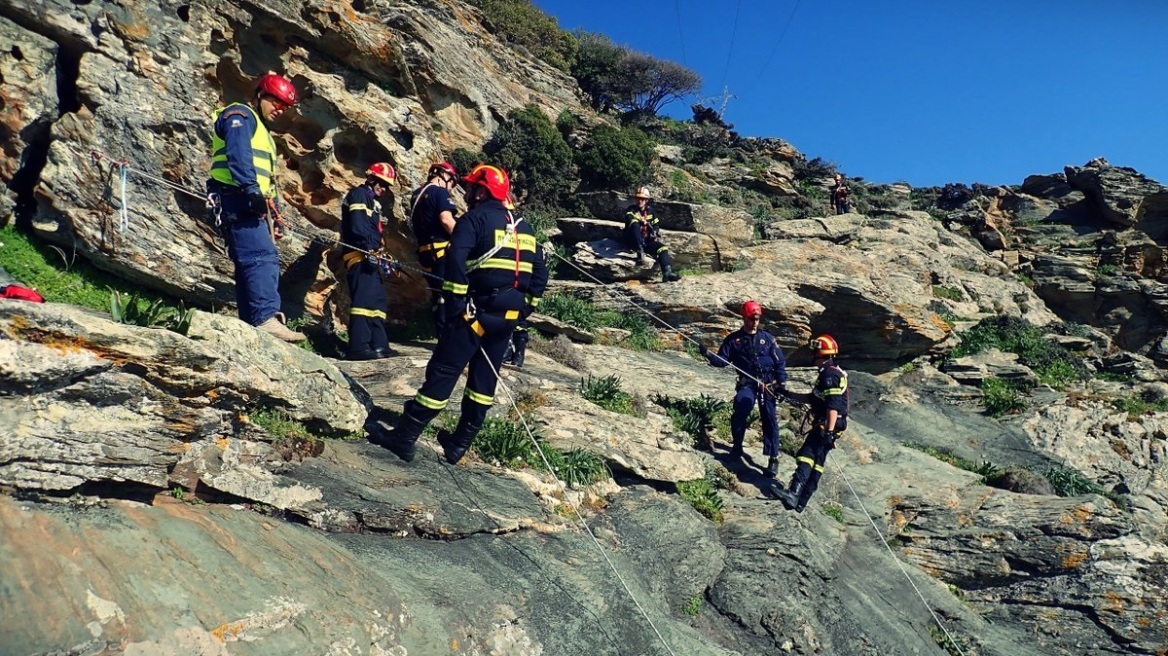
x=704 y=350
x=782 y=389
x=257 y=204
x=527 y=311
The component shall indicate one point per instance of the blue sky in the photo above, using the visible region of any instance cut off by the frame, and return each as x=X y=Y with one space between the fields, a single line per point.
x=922 y=91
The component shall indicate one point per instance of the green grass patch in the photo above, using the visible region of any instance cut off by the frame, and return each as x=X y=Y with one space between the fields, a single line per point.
x=64 y=277
x=1137 y=406
x=586 y=316
x=279 y=424
x=988 y=471
x=506 y=443
x=1002 y=397
x=1070 y=482
x=703 y=496
x=693 y=606
x=1050 y=361
x=948 y=293
x=606 y=392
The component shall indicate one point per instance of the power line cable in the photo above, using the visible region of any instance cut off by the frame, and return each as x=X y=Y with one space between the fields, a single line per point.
x=680 y=35
x=775 y=48
x=730 y=50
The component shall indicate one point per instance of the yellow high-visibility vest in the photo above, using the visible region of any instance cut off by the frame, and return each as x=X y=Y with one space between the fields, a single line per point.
x=263 y=152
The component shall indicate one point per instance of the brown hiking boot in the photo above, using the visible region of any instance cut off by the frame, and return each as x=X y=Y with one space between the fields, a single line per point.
x=276 y=329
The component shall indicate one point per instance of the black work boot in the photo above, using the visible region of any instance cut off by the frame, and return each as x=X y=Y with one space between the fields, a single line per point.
x=736 y=451
x=792 y=495
x=455 y=445
x=519 y=348
x=772 y=468
x=641 y=258
x=509 y=354
x=668 y=275
x=402 y=440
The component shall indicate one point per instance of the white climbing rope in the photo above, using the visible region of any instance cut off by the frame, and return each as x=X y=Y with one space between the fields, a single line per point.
x=574 y=505
x=903 y=570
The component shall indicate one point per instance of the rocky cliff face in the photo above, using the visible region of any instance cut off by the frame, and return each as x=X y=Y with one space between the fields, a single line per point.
x=148 y=508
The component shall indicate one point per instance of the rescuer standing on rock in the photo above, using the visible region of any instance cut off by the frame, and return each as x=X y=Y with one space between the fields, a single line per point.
x=243 y=159
x=495 y=276
x=829 y=407
x=361 y=227
x=762 y=373
x=432 y=220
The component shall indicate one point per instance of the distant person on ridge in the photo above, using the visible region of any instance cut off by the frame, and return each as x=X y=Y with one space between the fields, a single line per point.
x=839 y=195
x=829 y=408
x=643 y=233
x=243 y=160
x=762 y=373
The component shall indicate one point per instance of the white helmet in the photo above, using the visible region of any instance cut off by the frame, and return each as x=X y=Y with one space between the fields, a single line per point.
x=643 y=192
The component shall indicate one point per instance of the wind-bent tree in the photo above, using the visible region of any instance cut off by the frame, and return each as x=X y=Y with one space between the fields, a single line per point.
x=645 y=84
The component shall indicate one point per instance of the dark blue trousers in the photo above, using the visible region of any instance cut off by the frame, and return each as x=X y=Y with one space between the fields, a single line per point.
x=367 y=309
x=479 y=343
x=744 y=401
x=257 y=266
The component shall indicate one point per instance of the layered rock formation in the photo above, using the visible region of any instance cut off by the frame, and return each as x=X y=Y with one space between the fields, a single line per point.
x=140 y=490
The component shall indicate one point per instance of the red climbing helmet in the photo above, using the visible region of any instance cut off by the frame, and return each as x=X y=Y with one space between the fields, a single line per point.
x=492 y=178
x=824 y=346
x=277 y=86
x=751 y=309
x=443 y=167
x=383 y=172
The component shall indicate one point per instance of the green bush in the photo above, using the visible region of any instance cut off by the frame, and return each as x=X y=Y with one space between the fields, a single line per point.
x=835 y=511
x=695 y=417
x=642 y=335
x=607 y=393
x=137 y=312
x=694 y=606
x=1070 y=482
x=948 y=293
x=615 y=158
x=703 y=496
x=505 y=443
x=522 y=23
x=1001 y=397
x=596 y=68
x=464 y=160
x=534 y=152
x=578 y=467
x=1051 y=362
